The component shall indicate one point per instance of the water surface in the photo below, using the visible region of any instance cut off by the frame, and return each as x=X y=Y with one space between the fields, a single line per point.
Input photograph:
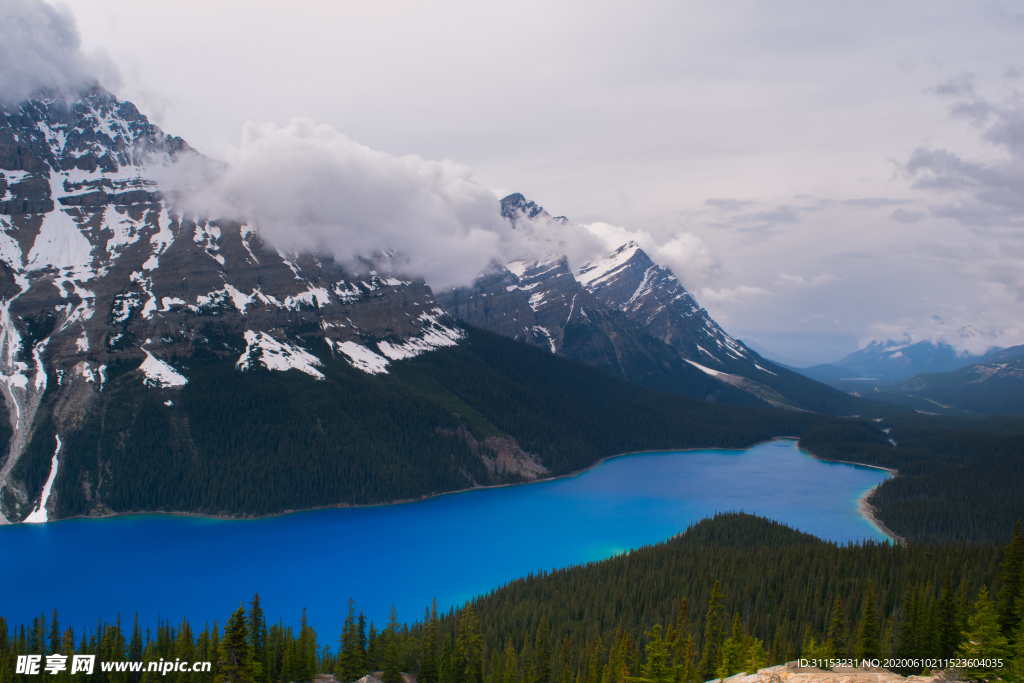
x=451 y=547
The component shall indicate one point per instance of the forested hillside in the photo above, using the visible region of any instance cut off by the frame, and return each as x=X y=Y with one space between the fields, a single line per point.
x=959 y=479
x=731 y=594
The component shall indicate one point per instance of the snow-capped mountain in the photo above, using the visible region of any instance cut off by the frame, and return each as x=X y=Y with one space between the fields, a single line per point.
x=894 y=361
x=629 y=316
x=98 y=274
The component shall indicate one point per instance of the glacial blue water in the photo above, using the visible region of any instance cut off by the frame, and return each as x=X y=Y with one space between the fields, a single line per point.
x=451 y=547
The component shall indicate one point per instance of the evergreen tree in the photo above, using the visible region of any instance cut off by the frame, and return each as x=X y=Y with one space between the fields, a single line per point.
x=235 y=661
x=542 y=653
x=983 y=640
x=469 y=648
x=757 y=658
x=347 y=669
x=428 y=672
x=686 y=661
x=657 y=668
x=447 y=661
x=836 y=640
x=1011 y=577
x=948 y=634
x=714 y=634
x=733 y=656
x=257 y=623
x=510 y=667
x=868 y=636
x=392 y=661
x=55 y=639
x=362 y=663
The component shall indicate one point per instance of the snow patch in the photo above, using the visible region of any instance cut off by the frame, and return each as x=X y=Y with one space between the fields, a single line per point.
x=713 y=373
x=60 y=244
x=361 y=357
x=277 y=355
x=593 y=274
x=159 y=373
x=39 y=515
x=435 y=336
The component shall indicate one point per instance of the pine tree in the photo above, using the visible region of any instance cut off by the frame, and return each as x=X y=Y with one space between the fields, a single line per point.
x=392 y=661
x=235 y=662
x=835 y=641
x=983 y=640
x=510 y=667
x=948 y=632
x=257 y=623
x=542 y=653
x=732 y=658
x=1011 y=577
x=348 y=645
x=428 y=672
x=714 y=634
x=447 y=662
x=469 y=648
x=657 y=669
x=686 y=668
x=868 y=636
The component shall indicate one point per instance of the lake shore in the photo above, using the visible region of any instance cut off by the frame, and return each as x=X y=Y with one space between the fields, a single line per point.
x=867 y=511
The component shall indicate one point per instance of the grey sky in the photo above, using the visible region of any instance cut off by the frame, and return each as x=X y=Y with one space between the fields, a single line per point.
x=825 y=172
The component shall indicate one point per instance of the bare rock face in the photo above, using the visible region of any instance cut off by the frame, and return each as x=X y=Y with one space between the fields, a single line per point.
x=98 y=271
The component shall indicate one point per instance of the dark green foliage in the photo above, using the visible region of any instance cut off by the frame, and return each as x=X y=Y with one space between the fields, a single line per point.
x=869 y=644
x=781 y=582
x=959 y=479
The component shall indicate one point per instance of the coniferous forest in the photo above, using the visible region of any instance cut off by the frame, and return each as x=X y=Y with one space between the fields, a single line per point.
x=731 y=594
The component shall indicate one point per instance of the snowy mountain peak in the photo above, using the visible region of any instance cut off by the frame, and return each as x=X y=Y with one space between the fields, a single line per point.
x=97 y=271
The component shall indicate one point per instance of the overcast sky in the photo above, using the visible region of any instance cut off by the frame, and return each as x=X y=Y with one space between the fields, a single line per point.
x=834 y=172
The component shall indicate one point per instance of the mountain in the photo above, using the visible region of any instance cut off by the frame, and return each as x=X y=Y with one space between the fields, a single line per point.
x=994 y=387
x=891 y=361
x=631 y=317
x=151 y=360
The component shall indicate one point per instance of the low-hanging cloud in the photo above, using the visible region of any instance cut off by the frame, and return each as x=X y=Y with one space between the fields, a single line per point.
x=309 y=187
x=40 y=49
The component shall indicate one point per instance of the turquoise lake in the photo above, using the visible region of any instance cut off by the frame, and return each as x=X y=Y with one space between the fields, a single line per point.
x=451 y=547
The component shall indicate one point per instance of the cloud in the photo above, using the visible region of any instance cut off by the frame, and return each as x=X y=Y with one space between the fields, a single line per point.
x=962 y=335
x=309 y=187
x=874 y=202
x=734 y=296
x=689 y=257
x=727 y=204
x=786 y=280
x=40 y=49
x=904 y=216
x=979 y=193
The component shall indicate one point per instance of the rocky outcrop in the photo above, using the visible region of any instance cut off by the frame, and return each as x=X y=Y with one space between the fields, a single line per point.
x=791 y=673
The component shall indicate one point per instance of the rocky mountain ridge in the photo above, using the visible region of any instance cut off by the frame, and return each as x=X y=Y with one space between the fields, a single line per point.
x=629 y=316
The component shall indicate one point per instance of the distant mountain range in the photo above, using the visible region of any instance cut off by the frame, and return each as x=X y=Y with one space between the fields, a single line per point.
x=931 y=378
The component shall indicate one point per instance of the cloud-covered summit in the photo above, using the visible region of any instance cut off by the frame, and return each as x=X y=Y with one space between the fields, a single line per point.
x=40 y=49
